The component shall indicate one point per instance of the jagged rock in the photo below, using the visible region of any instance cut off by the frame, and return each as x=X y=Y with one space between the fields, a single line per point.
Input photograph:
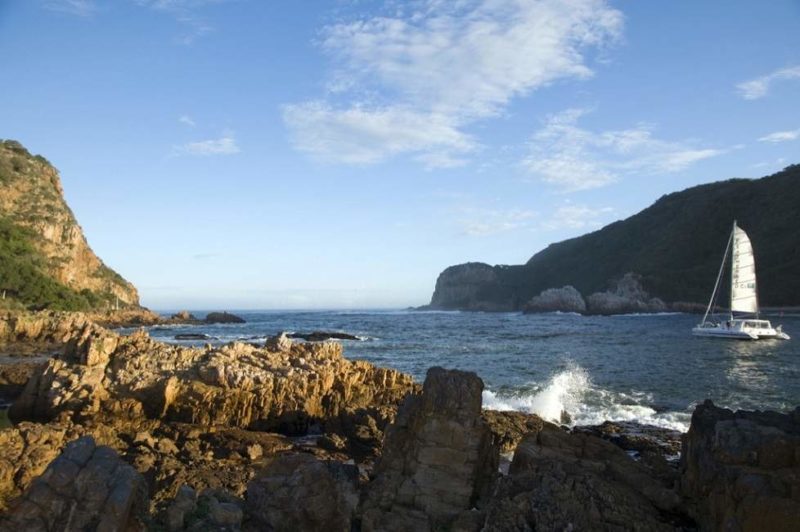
x=299 y=492
x=223 y=317
x=626 y=297
x=15 y=375
x=86 y=488
x=742 y=469
x=565 y=299
x=183 y=316
x=564 y=481
x=212 y=510
x=280 y=342
x=438 y=460
x=510 y=427
x=106 y=376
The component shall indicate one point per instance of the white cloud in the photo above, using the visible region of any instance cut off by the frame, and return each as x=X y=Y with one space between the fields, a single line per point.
x=225 y=145
x=484 y=222
x=573 y=158
x=187 y=120
x=781 y=136
x=185 y=12
x=80 y=8
x=441 y=66
x=758 y=87
x=577 y=217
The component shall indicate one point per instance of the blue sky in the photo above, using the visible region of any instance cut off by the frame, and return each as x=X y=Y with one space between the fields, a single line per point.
x=275 y=154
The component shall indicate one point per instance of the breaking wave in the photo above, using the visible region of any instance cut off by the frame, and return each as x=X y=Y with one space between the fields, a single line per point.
x=571 y=391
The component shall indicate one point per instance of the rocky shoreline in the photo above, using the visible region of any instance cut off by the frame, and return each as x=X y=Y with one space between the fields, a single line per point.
x=119 y=432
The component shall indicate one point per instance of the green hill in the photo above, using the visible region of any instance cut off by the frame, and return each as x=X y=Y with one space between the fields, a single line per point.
x=676 y=246
x=45 y=261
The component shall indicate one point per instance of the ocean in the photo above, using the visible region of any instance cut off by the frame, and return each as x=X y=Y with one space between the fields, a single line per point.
x=644 y=368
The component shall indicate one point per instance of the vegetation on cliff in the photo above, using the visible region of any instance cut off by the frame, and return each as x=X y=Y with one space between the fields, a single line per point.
x=675 y=245
x=45 y=261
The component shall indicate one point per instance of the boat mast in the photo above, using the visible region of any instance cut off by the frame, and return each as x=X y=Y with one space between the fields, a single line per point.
x=719 y=275
x=733 y=257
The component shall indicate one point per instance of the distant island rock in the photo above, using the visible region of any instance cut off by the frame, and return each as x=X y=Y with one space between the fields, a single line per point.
x=186 y=317
x=672 y=248
x=223 y=317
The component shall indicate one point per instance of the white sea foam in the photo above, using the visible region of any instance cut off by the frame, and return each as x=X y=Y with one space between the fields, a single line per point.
x=572 y=391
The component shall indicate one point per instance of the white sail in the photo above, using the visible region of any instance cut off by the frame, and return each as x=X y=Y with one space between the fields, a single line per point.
x=743 y=274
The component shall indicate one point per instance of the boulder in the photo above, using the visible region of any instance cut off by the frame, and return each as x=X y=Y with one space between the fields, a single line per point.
x=742 y=469
x=565 y=299
x=563 y=481
x=184 y=316
x=87 y=487
x=280 y=342
x=510 y=427
x=300 y=492
x=439 y=461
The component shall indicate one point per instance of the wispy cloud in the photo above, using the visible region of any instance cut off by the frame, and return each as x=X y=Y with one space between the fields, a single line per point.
x=435 y=67
x=574 y=158
x=577 y=217
x=187 y=120
x=781 y=136
x=225 y=145
x=485 y=222
x=79 y=8
x=759 y=87
x=187 y=14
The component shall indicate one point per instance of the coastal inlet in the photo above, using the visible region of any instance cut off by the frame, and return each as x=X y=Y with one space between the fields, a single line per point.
x=645 y=368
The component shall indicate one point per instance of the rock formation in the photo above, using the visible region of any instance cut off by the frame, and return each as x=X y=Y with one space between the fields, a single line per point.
x=742 y=469
x=31 y=198
x=470 y=286
x=439 y=461
x=627 y=296
x=86 y=488
x=565 y=299
x=222 y=317
x=102 y=375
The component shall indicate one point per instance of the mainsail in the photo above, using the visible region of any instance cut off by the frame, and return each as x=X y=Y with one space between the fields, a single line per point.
x=743 y=274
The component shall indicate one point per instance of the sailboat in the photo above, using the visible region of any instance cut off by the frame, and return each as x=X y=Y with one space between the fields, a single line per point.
x=743 y=322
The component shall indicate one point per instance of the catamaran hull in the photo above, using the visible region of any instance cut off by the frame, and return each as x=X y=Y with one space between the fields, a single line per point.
x=711 y=332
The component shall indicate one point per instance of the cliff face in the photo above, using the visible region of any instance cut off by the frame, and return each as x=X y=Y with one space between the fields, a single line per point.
x=41 y=233
x=675 y=246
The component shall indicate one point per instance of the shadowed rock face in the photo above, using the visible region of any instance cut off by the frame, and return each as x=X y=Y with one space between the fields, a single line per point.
x=299 y=492
x=565 y=299
x=86 y=488
x=439 y=459
x=564 y=481
x=742 y=469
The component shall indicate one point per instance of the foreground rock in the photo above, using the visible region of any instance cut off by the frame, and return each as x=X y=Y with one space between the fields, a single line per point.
x=86 y=488
x=566 y=299
x=300 y=492
x=742 y=469
x=564 y=481
x=105 y=376
x=439 y=460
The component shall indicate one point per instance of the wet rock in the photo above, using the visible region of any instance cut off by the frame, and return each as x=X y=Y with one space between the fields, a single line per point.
x=565 y=299
x=742 y=469
x=86 y=488
x=300 y=492
x=438 y=461
x=322 y=336
x=563 y=481
x=194 y=336
x=223 y=317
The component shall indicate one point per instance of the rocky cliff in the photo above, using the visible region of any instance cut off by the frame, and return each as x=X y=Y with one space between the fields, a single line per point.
x=46 y=260
x=675 y=246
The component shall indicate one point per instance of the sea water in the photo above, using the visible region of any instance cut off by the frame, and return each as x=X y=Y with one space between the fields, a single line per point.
x=645 y=368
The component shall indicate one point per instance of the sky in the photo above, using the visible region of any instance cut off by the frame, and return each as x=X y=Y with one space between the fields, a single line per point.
x=248 y=154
